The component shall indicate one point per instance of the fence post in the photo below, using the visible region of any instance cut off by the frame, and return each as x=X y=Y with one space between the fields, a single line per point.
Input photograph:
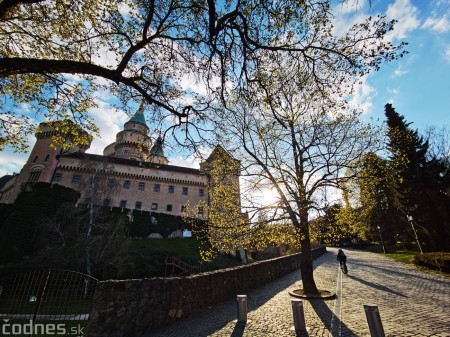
x=242 y=308
x=299 y=316
x=374 y=320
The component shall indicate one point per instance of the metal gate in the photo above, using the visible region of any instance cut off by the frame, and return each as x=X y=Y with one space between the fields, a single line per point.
x=45 y=303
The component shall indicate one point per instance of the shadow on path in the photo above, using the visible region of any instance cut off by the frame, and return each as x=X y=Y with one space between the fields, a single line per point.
x=376 y=286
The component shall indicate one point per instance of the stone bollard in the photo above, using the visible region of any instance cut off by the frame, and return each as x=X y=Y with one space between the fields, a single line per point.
x=299 y=315
x=374 y=320
x=242 y=308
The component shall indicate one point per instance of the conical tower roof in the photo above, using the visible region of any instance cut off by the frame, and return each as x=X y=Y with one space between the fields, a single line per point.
x=158 y=148
x=139 y=117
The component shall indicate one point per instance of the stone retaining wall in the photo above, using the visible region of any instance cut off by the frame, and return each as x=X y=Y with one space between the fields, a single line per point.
x=132 y=307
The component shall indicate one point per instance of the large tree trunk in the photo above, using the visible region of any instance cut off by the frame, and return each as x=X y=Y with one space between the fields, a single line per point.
x=306 y=269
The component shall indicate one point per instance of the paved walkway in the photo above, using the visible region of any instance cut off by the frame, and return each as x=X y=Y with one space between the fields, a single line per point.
x=411 y=303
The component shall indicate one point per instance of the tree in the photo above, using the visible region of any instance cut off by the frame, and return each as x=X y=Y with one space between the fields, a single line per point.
x=99 y=232
x=422 y=183
x=56 y=54
x=380 y=204
x=299 y=141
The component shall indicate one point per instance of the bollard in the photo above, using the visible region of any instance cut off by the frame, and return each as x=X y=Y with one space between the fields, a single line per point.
x=242 y=308
x=299 y=316
x=374 y=320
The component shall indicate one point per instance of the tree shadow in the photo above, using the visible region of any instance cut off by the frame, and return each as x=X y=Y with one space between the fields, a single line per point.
x=376 y=286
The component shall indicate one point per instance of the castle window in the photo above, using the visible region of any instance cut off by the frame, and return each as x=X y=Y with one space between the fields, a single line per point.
x=138 y=205
x=123 y=204
x=34 y=175
x=126 y=184
x=156 y=188
x=154 y=206
x=125 y=151
x=57 y=178
x=171 y=189
x=200 y=211
x=201 y=192
x=141 y=186
x=35 y=159
x=47 y=157
x=185 y=191
x=111 y=183
x=169 y=208
x=183 y=208
x=76 y=179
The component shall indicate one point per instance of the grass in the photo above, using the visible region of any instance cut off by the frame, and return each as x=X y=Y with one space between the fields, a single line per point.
x=395 y=253
x=183 y=248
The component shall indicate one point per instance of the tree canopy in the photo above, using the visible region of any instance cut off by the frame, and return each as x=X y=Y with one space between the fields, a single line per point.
x=55 y=54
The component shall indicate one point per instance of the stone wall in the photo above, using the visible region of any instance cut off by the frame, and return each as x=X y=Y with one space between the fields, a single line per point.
x=133 y=307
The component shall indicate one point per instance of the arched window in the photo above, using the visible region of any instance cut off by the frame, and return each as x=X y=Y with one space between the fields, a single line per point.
x=35 y=173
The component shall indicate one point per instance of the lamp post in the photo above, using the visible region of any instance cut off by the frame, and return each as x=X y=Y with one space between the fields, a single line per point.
x=410 y=219
x=382 y=241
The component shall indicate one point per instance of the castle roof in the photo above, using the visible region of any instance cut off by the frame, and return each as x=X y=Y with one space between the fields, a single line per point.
x=131 y=162
x=158 y=149
x=138 y=117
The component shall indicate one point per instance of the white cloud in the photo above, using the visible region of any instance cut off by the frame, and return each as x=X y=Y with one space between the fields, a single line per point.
x=440 y=25
x=400 y=71
x=447 y=53
x=363 y=93
x=407 y=16
x=393 y=91
x=110 y=121
x=12 y=162
x=346 y=15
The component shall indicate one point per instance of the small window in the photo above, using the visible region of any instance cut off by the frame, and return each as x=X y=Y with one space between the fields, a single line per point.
x=171 y=189
x=185 y=191
x=35 y=159
x=141 y=186
x=47 y=157
x=76 y=179
x=57 y=178
x=169 y=208
x=138 y=205
x=183 y=208
x=123 y=204
x=201 y=192
x=125 y=151
x=111 y=183
x=126 y=184
x=200 y=210
x=156 y=188
x=154 y=206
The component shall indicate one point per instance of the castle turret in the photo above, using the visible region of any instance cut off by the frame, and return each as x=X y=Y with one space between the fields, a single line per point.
x=157 y=153
x=133 y=141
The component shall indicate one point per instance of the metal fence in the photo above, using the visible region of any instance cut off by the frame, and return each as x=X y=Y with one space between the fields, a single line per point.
x=45 y=296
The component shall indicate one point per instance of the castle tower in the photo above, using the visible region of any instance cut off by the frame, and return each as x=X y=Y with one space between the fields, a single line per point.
x=43 y=159
x=133 y=141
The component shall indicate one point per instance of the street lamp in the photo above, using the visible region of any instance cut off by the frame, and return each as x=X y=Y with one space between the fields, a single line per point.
x=382 y=241
x=410 y=219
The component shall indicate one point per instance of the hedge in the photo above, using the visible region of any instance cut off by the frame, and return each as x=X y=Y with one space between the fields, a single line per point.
x=436 y=261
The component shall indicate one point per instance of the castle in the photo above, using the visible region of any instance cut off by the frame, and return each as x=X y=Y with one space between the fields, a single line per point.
x=132 y=173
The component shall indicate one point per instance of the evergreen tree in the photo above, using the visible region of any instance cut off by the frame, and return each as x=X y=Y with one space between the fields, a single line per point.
x=422 y=184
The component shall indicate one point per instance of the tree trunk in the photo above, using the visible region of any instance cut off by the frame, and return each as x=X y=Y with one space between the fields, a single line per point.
x=306 y=268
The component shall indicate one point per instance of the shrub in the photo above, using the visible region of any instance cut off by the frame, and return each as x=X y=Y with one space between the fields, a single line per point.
x=436 y=261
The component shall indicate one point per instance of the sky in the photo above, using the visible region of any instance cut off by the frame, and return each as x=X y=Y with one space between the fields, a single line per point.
x=418 y=85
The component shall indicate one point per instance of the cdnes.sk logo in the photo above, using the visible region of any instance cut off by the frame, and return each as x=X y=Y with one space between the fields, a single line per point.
x=10 y=328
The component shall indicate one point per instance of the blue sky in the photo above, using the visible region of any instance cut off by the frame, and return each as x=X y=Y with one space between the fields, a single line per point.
x=418 y=85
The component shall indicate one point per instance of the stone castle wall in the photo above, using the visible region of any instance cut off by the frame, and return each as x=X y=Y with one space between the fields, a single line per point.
x=133 y=307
